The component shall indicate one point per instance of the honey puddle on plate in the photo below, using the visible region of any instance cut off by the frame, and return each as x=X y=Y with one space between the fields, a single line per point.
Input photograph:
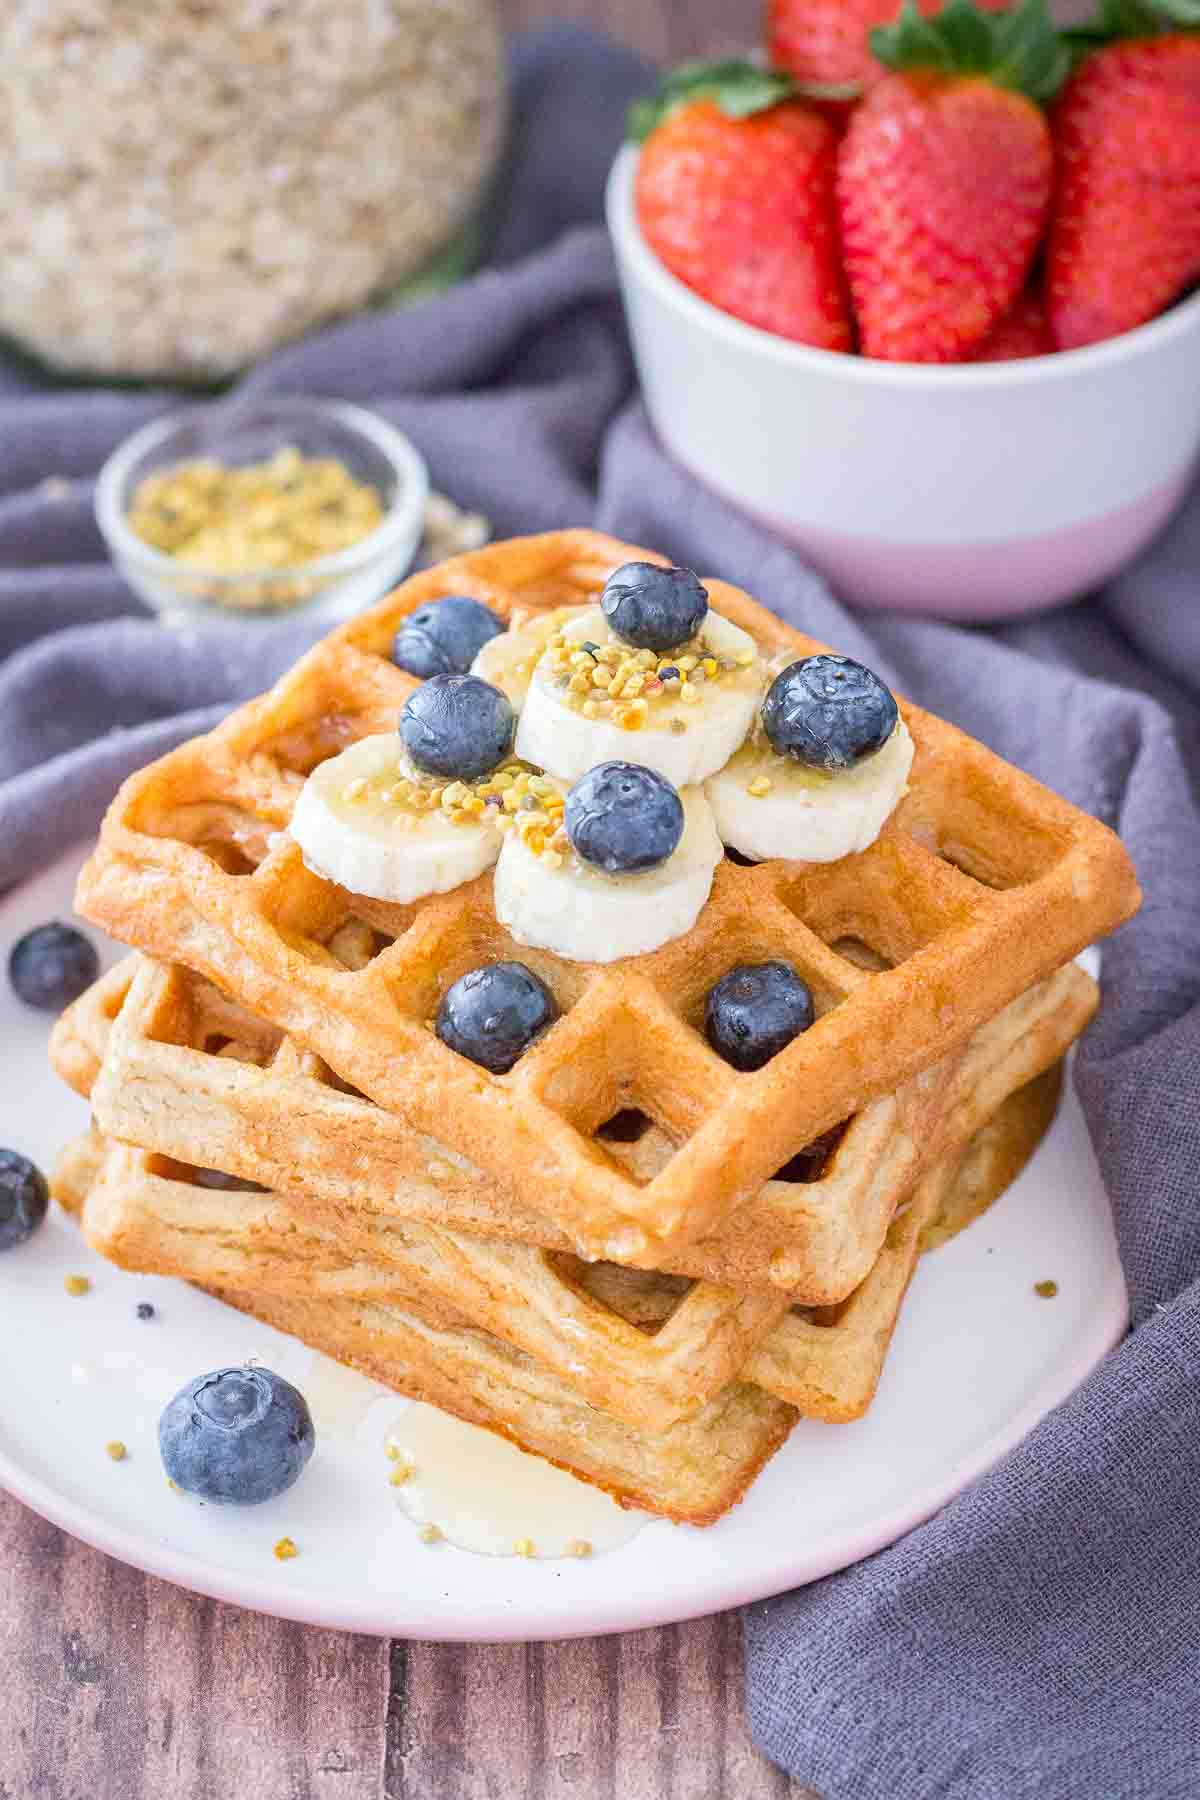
x=480 y=1491
x=339 y=1399
x=485 y=1495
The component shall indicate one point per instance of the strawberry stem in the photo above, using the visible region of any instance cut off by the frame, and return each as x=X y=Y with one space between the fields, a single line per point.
x=740 y=89
x=1019 y=49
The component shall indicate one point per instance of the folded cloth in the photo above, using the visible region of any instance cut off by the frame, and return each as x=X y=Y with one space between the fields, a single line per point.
x=1040 y=1635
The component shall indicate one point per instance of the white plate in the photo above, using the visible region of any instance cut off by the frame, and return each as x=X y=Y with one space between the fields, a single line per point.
x=977 y=1359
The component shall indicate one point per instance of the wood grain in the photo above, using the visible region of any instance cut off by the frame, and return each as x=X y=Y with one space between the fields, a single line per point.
x=119 y=1687
x=653 y=1715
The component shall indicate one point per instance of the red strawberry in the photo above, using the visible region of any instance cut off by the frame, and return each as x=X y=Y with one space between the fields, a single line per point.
x=826 y=43
x=1125 y=234
x=944 y=178
x=1025 y=331
x=735 y=193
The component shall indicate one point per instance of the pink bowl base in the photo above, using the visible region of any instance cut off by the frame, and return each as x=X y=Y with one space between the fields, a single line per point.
x=997 y=579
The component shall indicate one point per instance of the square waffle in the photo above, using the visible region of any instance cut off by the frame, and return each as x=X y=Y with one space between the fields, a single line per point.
x=195 y=1076
x=149 y=1213
x=692 y=1473
x=982 y=883
x=570 y=1316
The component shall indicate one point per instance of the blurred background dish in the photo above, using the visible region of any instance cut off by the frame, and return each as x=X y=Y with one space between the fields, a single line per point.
x=186 y=189
x=253 y=488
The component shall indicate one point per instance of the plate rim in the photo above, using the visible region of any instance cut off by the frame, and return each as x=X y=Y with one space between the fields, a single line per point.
x=309 y=1606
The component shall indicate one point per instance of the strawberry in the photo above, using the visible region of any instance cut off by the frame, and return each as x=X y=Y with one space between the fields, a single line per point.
x=826 y=43
x=1025 y=331
x=945 y=177
x=1125 y=233
x=735 y=193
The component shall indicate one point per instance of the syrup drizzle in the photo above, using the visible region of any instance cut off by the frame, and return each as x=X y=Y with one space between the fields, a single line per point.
x=485 y=1495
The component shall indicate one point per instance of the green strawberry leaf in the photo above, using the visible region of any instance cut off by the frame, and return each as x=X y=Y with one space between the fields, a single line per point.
x=1134 y=18
x=1033 y=58
x=912 y=42
x=1018 y=49
x=740 y=89
x=966 y=36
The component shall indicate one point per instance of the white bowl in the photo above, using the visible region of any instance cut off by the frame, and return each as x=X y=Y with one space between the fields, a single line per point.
x=971 y=491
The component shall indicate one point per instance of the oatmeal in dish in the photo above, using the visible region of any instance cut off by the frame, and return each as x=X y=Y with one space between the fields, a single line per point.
x=181 y=195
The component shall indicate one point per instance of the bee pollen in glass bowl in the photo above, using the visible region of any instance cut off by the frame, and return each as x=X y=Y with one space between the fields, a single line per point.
x=277 y=514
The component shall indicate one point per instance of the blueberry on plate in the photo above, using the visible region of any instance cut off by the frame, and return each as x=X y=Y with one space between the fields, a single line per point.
x=653 y=608
x=24 y=1197
x=445 y=637
x=236 y=1436
x=51 y=966
x=492 y=1015
x=623 y=818
x=457 y=726
x=828 y=712
x=754 y=1011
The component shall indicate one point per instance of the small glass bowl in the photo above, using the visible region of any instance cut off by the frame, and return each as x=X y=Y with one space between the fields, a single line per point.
x=324 y=589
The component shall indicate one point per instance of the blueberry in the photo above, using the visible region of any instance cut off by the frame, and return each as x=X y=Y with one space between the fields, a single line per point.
x=623 y=818
x=656 y=609
x=755 y=1011
x=145 y=1310
x=24 y=1197
x=492 y=1015
x=457 y=726
x=237 y=1436
x=828 y=712
x=445 y=637
x=52 y=966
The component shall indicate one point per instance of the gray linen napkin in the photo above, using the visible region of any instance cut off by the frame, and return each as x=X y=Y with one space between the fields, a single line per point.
x=1040 y=1635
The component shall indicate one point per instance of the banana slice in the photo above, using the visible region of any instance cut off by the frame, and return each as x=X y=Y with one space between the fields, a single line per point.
x=507 y=660
x=370 y=821
x=767 y=806
x=608 y=702
x=546 y=896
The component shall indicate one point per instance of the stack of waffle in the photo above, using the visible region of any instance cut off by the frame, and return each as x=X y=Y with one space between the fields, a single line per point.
x=623 y=1254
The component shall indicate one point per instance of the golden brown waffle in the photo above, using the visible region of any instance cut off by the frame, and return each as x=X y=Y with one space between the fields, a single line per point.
x=983 y=883
x=696 y=1470
x=151 y=1213
x=828 y=1361
x=197 y=1077
x=155 y=1215
x=692 y=1473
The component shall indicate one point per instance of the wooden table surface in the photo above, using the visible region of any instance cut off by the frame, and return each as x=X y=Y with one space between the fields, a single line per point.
x=117 y=1686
